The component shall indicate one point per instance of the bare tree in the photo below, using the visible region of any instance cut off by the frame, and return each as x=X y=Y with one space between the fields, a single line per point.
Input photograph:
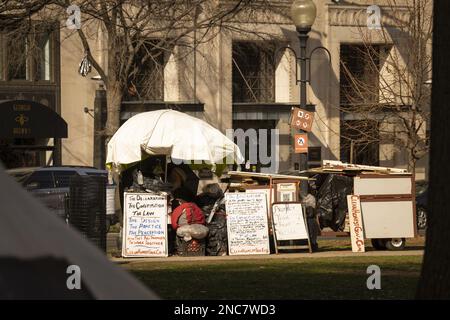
x=137 y=34
x=384 y=81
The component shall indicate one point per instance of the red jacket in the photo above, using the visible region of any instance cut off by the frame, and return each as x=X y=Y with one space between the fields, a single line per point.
x=194 y=214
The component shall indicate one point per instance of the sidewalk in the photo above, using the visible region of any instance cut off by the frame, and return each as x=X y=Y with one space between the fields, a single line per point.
x=305 y=255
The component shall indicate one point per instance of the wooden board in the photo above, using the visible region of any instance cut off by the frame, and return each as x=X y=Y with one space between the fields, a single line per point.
x=382 y=186
x=387 y=205
x=145 y=225
x=356 y=223
x=388 y=219
x=247 y=224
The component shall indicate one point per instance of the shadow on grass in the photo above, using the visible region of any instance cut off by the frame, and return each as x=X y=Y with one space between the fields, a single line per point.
x=338 y=278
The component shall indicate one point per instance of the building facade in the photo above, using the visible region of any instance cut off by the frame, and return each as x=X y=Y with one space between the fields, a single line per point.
x=242 y=78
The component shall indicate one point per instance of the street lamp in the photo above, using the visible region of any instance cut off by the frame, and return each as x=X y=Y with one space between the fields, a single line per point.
x=303 y=14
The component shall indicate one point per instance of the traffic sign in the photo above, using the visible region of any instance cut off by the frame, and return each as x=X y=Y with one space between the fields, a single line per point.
x=301 y=143
x=302 y=119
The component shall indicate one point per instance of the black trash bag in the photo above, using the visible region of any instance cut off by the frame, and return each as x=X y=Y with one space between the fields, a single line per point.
x=205 y=202
x=211 y=193
x=332 y=201
x=217 y=239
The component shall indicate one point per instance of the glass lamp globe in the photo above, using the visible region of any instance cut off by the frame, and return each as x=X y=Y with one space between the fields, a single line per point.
x=303 y=13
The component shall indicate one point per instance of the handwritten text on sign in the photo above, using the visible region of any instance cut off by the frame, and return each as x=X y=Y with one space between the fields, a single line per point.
x=289 y=222
x=356 y=224
x=247 y=225
x=145 y=225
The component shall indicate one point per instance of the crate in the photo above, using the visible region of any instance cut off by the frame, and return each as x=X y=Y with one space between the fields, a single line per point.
x=191 y=248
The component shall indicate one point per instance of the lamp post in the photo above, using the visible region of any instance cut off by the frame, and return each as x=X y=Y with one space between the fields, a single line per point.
x=303 y=14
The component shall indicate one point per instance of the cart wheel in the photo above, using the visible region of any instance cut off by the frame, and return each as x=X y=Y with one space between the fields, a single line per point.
x=395 y=244
x=379 y=244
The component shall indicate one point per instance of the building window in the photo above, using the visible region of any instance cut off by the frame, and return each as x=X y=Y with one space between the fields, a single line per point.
x=253 y=72
x=43 y=57
x=359 y=94
x=360 y=142
x=255 y=144
x=27 y=57
x=16 y=56
x=359 y=75
x=146 y=77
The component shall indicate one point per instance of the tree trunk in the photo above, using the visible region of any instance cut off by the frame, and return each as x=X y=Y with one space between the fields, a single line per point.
x=114 y=100
x=435 y=278
x=412 y=160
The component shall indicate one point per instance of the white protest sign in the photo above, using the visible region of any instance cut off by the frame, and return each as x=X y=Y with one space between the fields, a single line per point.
x=356 y=224
x=247 y=226
x=289 y=221
x=266 y=192
x=145 y=225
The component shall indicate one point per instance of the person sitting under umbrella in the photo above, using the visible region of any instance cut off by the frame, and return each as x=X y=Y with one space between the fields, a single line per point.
x=184 y=212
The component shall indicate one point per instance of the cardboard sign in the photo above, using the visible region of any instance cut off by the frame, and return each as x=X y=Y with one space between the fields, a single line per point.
x=356 y=223
x=301 y=143
x=302 y=119
x=289 y=221
x=247 y=226
x=266 y=192
x=145 y=225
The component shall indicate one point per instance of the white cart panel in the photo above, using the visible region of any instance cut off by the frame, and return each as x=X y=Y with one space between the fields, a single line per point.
x=388 y=219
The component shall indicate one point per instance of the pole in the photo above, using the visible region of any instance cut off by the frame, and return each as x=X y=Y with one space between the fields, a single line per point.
x=352 y=144
x=303 y=38
x=99 y=126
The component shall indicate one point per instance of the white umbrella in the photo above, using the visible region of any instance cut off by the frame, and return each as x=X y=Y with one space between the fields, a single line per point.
x=172 y=133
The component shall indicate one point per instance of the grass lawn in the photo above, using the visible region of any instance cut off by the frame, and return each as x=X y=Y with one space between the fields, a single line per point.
x=313 y=278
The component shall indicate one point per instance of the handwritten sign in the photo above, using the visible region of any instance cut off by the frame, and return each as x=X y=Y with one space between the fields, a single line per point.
x=247 y=226
x=289 y=221
x=145 y=225
x=356 y=224
x=266 y=193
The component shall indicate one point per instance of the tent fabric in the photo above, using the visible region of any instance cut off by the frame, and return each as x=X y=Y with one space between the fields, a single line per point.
x=172 y=133
x=33 y=240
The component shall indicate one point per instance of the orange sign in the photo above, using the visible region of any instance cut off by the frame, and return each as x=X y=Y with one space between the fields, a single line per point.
x=301 y=143
x=302 y=119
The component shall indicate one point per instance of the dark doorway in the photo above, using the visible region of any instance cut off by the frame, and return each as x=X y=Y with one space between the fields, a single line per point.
x=19 y=153
x=252 y=141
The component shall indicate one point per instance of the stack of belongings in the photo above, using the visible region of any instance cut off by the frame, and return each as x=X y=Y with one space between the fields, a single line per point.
x=188 y=221
x=145 y=182
x=212 y=202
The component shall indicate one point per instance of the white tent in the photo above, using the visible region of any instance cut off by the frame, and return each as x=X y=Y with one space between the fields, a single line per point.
x=171 y=133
